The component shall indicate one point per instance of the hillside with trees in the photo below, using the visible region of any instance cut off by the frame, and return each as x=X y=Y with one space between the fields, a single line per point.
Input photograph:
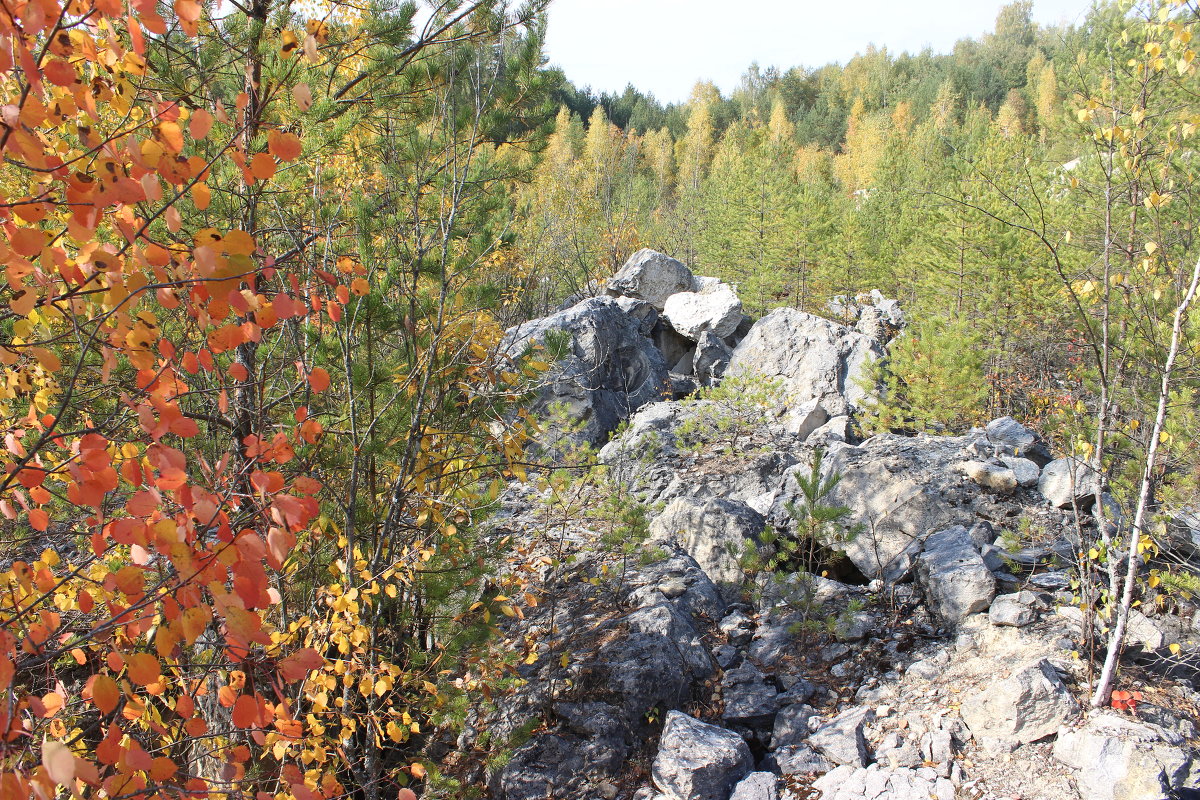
x=317 y=321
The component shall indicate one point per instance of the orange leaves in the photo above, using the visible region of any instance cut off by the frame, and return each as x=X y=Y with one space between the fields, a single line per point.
x=144 y=669
x=170 y=136
x=262 y=166
x=318 y=379
x=200 y=124
x=297 y=666
x=284 y=146
x=245 y=712
x=105 y=694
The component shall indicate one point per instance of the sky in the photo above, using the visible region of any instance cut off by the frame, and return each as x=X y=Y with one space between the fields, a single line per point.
x=665 y=46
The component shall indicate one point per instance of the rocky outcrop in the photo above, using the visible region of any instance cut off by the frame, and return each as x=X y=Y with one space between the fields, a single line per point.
x=606 y=371
x=815 y=358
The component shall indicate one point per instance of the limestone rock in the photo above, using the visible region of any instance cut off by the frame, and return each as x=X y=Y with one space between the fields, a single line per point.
x=750 y=699
x=1030 y=704
x=711 y=358
x=956 y=580
x=1068 y=480
x=1024 y=470
x=817 y=359
x=842 y=739
x=1014 y=610
x=1124 y=759
x=756 y=786
x=608 y=371
x=717 y=310
x=697 y=761
x=875 y=783
x=651 y=276
x=712 y=531
x=990 y=476
x=791 y=725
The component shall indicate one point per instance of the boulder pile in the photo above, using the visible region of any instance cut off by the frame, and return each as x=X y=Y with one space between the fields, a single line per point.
x=939 y=657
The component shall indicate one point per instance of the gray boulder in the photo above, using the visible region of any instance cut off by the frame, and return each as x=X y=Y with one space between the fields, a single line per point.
x=717 y=310
x=1030 y=704
x=1014 y=610
x=645 y=313
x=608 y=369
x=696 y=761
x=797 y=759
x=756 y=786
x=1068 y=481
x=651 y=276
x=791 y=725
x=1024 y=470
x=711 y=358
x=843 y=739
x=750 y=699
x=817 y=359
x=1124 y=759
x=713 y=531
x=954 y=576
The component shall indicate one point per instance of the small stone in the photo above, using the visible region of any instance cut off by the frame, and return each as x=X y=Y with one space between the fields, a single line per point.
x=842 y=739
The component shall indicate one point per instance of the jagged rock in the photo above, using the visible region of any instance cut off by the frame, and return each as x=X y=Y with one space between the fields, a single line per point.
x=871 y=324
x=990 y=476
x=1027 y=472
x=645 y=313
x=697 y=761
x=817 y=359
x=796 y=759
x=711 y=358
x=714 y=532
x=1145 y=630
x=656 y=660
x=842 y=739
x=756 y=786
x=738 y=628
x=1013 y=610
x=609 y=370
x=558 y=765
x=705 y=283
x=897 y=751
x=1030 y=704
x=807 y=418
x=1124 y=759
x=651 y=276
x=750 y=700
x=898 y=489
x=717 y=310
x=956 y=580
x=679 y=579
x=849 y=783
x=1008 y=434
x=1067 y=481
x=791 y=725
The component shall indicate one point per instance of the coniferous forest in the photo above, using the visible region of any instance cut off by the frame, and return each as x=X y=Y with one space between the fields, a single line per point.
x=264 y=429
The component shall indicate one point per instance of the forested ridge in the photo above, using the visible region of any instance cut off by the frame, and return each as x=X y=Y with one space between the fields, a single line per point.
x=260 y=408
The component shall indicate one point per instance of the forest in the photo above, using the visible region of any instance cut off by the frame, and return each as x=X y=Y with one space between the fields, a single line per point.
x=260 y=258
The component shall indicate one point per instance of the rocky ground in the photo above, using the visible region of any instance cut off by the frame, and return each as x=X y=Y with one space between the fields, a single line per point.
x=943 y=658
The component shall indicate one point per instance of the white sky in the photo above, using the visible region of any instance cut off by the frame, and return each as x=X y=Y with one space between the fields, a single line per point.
x=665 y=46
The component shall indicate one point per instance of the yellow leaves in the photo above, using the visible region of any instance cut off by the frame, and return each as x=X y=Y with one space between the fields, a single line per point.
x=170 y=136
x=288 y=44
x=1156 y=200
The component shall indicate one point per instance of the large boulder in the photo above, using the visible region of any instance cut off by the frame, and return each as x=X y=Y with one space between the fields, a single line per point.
x=1067 y=481
x=713 y=531
x=692 y=313
x=696 y=761
x=815 y=358
x=605 y=370
x=651 y=276
x=1124 y=759
x=711 y=358
x=955 y=578
x=1029 y=704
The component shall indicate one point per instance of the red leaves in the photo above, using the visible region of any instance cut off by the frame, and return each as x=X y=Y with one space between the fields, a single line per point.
x=1126 y=701
x=318 y=379
x=284 y=146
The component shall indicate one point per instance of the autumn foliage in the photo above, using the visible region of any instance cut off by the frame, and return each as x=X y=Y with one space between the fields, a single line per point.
x=162 y=406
